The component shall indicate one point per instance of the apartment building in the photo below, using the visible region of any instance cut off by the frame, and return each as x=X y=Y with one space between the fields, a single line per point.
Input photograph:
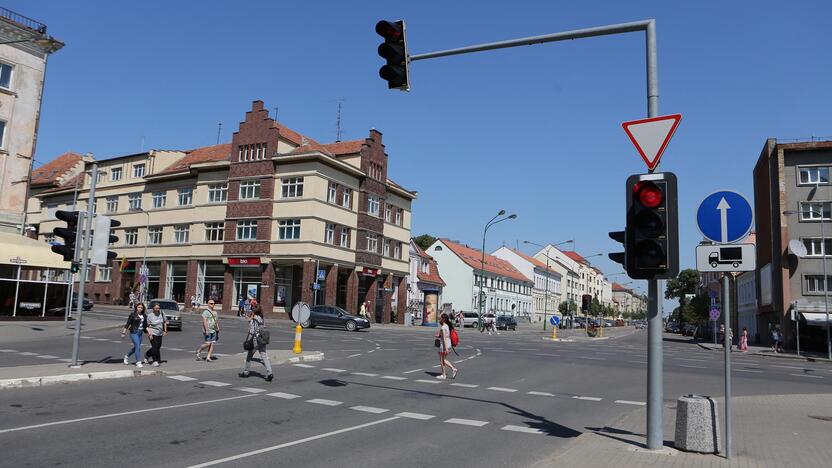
x=424 y=286
x=274 y=215
x=546 y=292
x=627 y=300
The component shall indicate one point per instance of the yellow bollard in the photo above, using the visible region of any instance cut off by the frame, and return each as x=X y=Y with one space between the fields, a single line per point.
x=554 y=333
x=297 y=349
x=601 y=331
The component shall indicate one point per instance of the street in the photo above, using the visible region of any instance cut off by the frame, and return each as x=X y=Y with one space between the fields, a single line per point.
x=373 y=401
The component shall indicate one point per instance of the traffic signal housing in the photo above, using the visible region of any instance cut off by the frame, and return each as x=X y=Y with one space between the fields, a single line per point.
x=619 y=257
x=586 y=301
x=651 y=238
x=102 y=238
x=394 y=50
x=69 y=234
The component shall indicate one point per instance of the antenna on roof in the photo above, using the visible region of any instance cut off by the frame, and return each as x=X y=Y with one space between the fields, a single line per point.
x=338 y=120
x=219 y=130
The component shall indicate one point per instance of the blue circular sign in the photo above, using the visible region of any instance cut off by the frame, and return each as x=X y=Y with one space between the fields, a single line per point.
x=724 y=217
x=555 y=320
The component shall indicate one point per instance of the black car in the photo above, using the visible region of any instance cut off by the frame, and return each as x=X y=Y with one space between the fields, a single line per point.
x=86 y=304
x=506 y=322
x=332 y=316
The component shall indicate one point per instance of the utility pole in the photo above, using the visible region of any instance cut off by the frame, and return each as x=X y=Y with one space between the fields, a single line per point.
x=84 y=264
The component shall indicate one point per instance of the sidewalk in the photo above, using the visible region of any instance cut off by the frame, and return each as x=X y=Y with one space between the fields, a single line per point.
x=769 y=431
x=15 y=332
x=48 y=374
x=768 y=352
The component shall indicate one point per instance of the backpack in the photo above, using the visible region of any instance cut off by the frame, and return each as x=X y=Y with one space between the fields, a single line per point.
x=454 y=337
x=263 y=336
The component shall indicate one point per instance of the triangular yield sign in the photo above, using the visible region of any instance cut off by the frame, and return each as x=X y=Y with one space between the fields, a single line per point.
x=651 y=136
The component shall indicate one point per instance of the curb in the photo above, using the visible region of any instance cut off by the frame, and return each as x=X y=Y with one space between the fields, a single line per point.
x=565 y=340
x=307 y=358
x=777 y=356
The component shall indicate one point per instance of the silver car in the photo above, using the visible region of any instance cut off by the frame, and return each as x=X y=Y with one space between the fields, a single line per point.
x=171 y=310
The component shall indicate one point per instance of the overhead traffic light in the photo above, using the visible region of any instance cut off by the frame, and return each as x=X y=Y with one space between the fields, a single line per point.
x=102 y=238
x=394 y=50
x=652 y=235
x=69 y=234
x=586 y=301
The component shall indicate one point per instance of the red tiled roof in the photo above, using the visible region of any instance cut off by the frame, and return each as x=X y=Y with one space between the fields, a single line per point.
x=49 y=173
x=529 y=258
x=494 y=265
x=221 y=152
x=575 y=256
x=344 y=147
x=433 y=275
x=289 y=134
x=618 y=287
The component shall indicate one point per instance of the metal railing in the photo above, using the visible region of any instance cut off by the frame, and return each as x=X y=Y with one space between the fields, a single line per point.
x=24 y=21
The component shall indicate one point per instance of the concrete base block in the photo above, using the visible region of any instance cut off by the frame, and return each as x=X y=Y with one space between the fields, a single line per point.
x=697 y=424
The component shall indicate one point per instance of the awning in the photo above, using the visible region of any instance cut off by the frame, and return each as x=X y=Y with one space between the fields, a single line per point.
x=817 y=319
x=19 y=250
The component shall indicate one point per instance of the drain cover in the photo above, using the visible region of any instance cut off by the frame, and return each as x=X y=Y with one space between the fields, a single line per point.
x=821 y=418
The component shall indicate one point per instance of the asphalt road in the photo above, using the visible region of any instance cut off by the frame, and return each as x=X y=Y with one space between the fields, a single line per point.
x=374 y=401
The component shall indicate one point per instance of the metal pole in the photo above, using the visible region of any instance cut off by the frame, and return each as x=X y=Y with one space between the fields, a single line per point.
x=825 y=288
x=480 y=298
x=726 y=311
x=546 y=295
x=655 y=390
x=84 y=264
x=142 y=297
x=797 y=324
x=69 y=292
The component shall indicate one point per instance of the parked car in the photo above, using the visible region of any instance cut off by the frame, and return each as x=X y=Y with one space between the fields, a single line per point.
x=470 y=319
x=506 y=322
x=332 y=316
x=170 y=309
x=689 y=329
x=86 y=304
x=640 y=325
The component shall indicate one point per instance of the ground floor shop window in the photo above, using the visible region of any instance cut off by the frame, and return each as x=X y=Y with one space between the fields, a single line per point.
x=247 y=283
x=213 y=274
x=153 y=276
x=177 y=276
x=32 y=291
x=283 y=277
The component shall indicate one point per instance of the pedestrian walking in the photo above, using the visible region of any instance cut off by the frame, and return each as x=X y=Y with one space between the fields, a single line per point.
x=362 y=311
x=241 y=306
x=256 y=340
x=777 y=336
x=136 y=325
x=744 y=340
x=460 y=320
x=210 y=331
x=443 y=341
x=193 y=303
x=157 y=327
x=132 y=299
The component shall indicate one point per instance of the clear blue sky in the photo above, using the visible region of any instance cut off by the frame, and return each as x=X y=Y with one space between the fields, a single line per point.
x=534 y=130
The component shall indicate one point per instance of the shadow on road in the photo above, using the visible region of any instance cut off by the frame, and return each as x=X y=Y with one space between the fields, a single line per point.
x=614 y=433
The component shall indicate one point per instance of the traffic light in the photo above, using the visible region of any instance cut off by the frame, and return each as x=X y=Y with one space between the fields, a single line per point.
x=619 y=257
x=69 y=234
x=394 y=50
x=586 y=300
x=652 y=235
x=102 y=238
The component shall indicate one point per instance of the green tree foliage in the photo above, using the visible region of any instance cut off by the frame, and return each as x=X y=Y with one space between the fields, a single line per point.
x=686 y=283
x=424 y=241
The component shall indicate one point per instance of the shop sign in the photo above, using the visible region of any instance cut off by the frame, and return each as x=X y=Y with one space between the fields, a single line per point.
x=18 y=261
x=369 y=271
x=30 y=305
x=244 y=262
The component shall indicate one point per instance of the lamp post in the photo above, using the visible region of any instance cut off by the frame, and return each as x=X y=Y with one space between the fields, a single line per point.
x=490 y=223
x=825 y=277
x=144 y=269
x=546 y=293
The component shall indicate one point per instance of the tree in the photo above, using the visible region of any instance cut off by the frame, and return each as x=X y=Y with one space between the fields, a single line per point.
x=424 y=241
x=677 y=288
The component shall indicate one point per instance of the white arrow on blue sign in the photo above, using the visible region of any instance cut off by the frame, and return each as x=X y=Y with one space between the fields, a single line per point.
x=724 y=217
x=555 y=320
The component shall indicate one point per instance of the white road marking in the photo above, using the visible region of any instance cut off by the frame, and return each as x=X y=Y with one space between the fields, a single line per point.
x=464 y=385
x=115 y=415
x=412 y=371
x=353 y=355
x=369 y=409
x=290 y=444
x=502 y=389
x=174 y=349
x=370 y=351
x=807 y=375
x=332 y=369
x=8 y=350
x=588 y=398
x=214 y=383
x=749 y=370
x=320 y=401
x=628 y=402
x=527 y=430
x=249 y=389
x=285 y=396
x=181 y=378
x=364 y=374
x=27 y=353
x=65 y=360
x=692 y=367
x=423 y=417
x=540 y=393
x=427 y=381
x=547 y=354
x=221 y=354
x=101 y=339
x=593 y=358
x=782 y=367
x=638 y=362
x=47 y=356
x=691 y=359
x=466 y=422
x=393 y=377
x=305 y=366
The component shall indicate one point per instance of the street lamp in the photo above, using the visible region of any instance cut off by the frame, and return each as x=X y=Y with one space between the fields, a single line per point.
x=825 y=278
x=142 y=296
x=546 y=293
x=490 y=223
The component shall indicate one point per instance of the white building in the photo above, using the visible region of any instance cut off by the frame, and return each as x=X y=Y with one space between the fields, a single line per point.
x=570 y=271
x=506 y=291
x=546 y=292
x=424 y=285
x=747 y=305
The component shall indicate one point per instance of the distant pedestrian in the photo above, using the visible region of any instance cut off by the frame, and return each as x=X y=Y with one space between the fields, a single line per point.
x=444 y=337
x=136 y=325
x=460 y=320
x=157 y=327
x=132 y=299
x=777 y=338
x=744 y=340
x=241 y=306
x=193 y=303
x=210 y=331
x=255 y=341
x=362 y=311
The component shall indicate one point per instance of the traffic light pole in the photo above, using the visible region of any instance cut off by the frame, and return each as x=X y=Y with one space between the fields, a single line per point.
x=85 y=250
x=70 y=291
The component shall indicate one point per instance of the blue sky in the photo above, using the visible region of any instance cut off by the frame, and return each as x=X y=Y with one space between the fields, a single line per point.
x=533 y=130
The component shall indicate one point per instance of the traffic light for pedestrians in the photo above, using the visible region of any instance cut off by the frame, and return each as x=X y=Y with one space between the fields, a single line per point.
x=586 y=300
x=102 y=238
x=394 y=50
x=68 y=234
x=652 y=235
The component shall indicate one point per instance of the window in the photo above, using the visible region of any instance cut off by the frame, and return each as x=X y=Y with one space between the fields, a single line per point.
x=399 y=216
x=2 y=133
x=814 y=283
x=154 y=235
x=373 y=205
x=115 y=174
x=329 y=234
x=814 y=175
x=214 y=232
x=386 y=247
x=112 y=204
x=181 y=233
x=159 y=199
x=134 y=202
x=346 y=200
x=388 y=213
x=426 y=269
x=817 y=247
x=131 y=236
x=810 y=211
x=138 y=171
x=5 y=76
x=253 y=152
x=332 y=193
x=247 y=230
x=99 y=176
x=375 y=171
x=103 y=274
x=186 y=195
x=249 y=189
x=372 y=242
x=288 y=229
x=217 y=193
x=293 y=187
x=345 y=237
x=397 y=250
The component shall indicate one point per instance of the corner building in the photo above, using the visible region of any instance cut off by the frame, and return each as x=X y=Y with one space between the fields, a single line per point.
x=274 y=215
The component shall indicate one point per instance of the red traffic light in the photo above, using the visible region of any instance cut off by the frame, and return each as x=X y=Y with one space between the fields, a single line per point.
x=648 y=194
x=389 y=30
